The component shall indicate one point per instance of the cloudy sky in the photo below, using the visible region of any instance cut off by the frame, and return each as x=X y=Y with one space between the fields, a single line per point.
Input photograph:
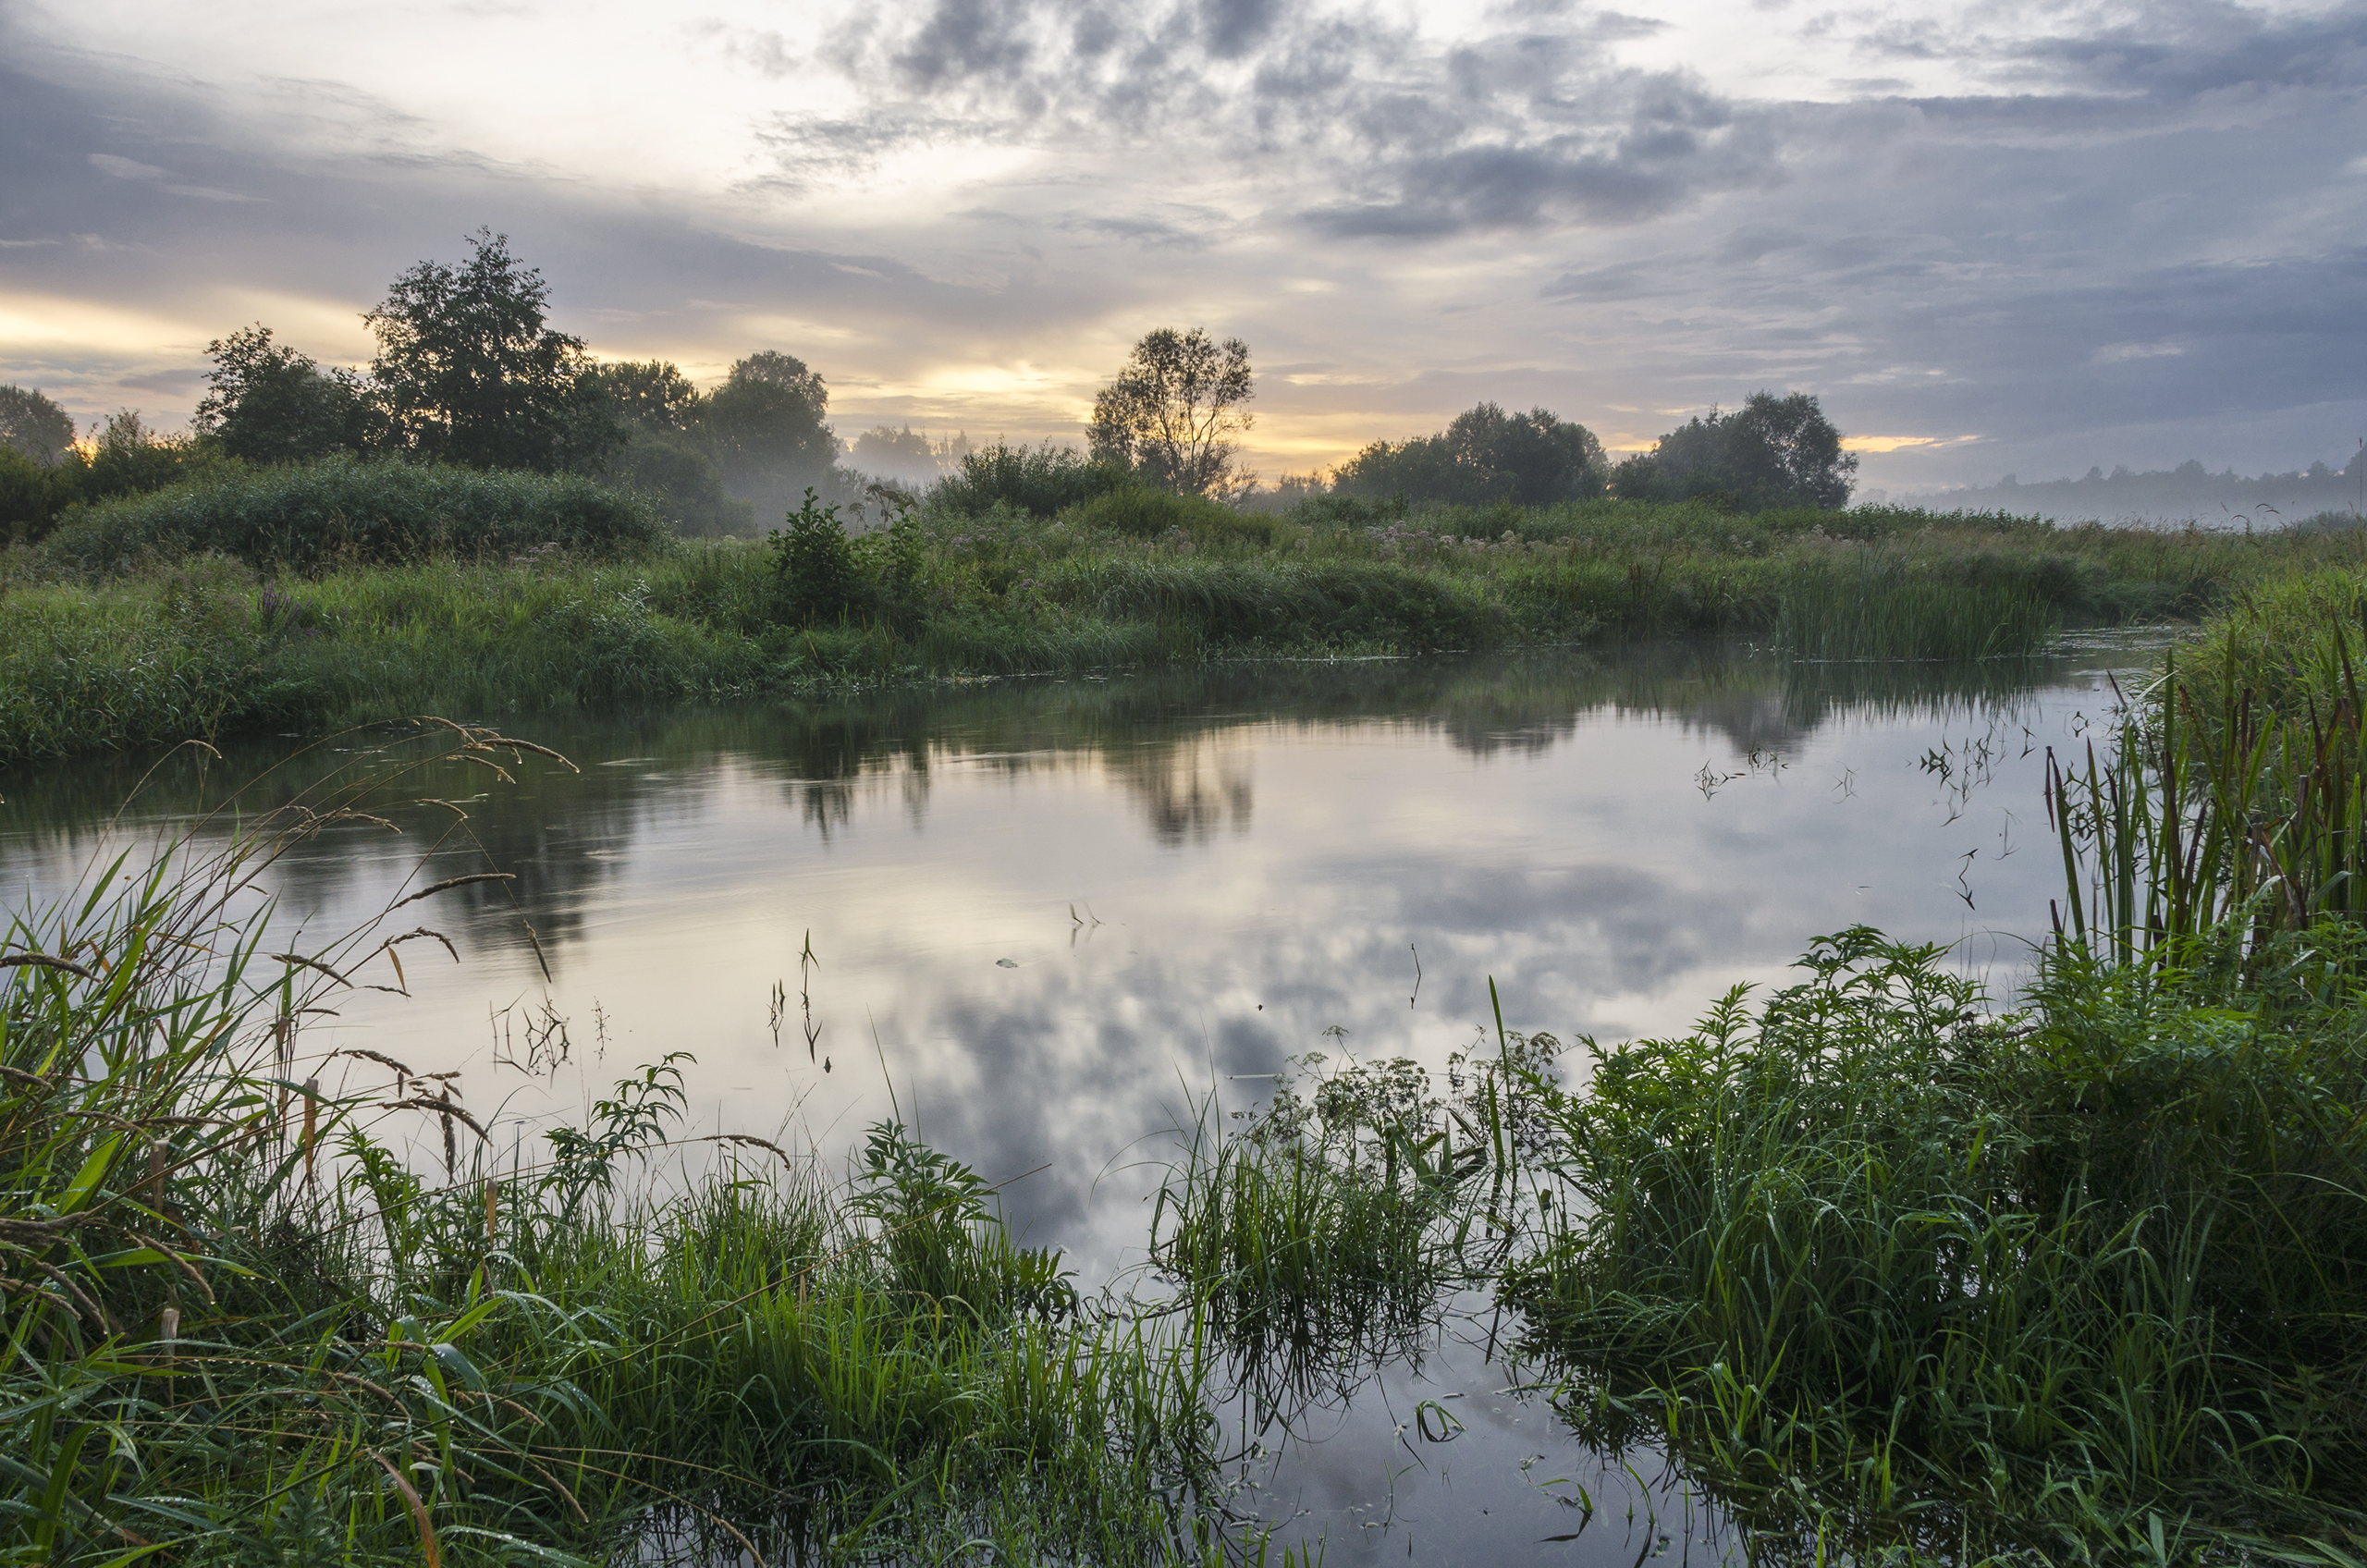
x=1994 y=236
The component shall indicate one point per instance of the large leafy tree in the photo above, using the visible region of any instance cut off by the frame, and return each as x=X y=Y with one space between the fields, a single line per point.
x=1771 y=452
x=266 y=403
x=765 y=427
x=1173 y=410
x=652 y=393
x=1485 y=455
x=664 y=454
x=468 y=371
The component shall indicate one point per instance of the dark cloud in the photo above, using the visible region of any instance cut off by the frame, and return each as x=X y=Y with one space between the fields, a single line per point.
x=1232 y=28
x=963 y=40
x=1527 y=126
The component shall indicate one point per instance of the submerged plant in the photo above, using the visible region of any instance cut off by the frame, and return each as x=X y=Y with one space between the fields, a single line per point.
x=1330 y=1231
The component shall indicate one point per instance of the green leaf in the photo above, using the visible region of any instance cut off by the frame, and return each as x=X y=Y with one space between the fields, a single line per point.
x=87 y=1178
x=455 y=1362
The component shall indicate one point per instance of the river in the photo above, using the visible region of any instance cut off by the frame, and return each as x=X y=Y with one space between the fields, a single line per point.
x=1051 y=922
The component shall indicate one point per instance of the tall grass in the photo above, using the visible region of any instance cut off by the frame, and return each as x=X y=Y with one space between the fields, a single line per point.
x=241 y=1326
x=175 y=645
x=1329 y=1231
x=2237 y=793
x=1898 y=1278
x=1889 y=614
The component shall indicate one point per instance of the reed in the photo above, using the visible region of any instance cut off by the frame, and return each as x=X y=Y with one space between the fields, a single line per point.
x=1885 y=612
x=2235 y=795
x=1330 y=1231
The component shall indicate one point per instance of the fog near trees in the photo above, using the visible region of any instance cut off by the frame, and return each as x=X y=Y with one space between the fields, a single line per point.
x=2187 y=493
x=469 y=371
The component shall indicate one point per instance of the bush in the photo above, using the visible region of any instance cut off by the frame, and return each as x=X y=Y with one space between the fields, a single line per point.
x=816 y=564
x=1041 y=480
x=342 y=509
x=1146 y=513
x=33 y=493
x=2049 y=1275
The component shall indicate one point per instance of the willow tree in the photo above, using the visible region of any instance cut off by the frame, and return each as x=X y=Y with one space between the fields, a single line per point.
x=1173 y=410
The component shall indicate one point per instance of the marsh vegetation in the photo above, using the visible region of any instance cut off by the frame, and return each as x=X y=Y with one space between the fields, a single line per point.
x=312 y=598
x=1890 y=1268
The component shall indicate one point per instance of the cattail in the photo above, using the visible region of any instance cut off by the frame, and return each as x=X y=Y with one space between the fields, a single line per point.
x=169 y=1329
x=311 y=1122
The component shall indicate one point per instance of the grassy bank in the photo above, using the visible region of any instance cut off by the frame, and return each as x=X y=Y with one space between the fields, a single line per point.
x=164 y=645
x=2086 y=1282
x=1893 y=1277
x=243 y=1327
x=1897 y=1277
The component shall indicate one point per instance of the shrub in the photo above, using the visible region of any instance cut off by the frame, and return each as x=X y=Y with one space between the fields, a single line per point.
x=33 y=493
x=1146 y=513
x=1041 y=480
x=820 y=579
x=307 y=516
x=2047 y=1277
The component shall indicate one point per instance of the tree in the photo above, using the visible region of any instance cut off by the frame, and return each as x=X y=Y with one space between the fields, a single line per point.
x=33 y=425
x=1485 y=456
x=266 y=403
x=128 y=458
x=1771 y=452
x=664 y=454
x=468 y=372
x=1173 y=409
x=653 y=393
x=908 y=456
x=765 y=426
x=33 y=493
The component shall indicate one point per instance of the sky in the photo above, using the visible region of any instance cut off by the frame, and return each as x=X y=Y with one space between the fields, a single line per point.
x=1990 y=238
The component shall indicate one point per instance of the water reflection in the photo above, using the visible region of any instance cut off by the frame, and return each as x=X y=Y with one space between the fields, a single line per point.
x=1052 y=914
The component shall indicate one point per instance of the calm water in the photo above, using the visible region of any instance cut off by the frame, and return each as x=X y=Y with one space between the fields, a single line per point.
x=1052 y=918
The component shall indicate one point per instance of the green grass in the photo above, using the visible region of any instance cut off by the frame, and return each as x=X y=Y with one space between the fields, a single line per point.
x=178 y=645
x=1321 y=1235
x=239 y=1326
x=1895 y=1278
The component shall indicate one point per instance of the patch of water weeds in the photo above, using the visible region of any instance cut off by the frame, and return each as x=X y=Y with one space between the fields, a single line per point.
x=1342 y=1243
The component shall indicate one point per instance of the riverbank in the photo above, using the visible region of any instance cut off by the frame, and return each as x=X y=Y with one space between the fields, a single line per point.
x=1982 y=1289
x=252 y=1317
x=176 y=646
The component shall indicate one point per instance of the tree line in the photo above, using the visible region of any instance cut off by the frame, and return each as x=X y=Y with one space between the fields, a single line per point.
x=469 y=371
x=1174 y=414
